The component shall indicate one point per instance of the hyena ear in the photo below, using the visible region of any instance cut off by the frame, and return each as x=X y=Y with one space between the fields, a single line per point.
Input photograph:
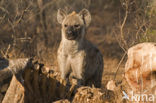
x=85 y=14
x=61 y=14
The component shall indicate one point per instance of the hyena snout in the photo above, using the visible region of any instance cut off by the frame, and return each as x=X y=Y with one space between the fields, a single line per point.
x=72 y=33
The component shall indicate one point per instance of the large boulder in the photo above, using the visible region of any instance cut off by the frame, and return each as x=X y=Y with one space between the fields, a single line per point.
x=140 y=68
x=8 y=67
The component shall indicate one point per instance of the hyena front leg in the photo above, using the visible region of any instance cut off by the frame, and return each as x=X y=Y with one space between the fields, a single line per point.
x=78 y=70
x=64 y=66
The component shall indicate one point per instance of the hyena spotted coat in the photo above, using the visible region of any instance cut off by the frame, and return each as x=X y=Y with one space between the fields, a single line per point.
x=77 y=57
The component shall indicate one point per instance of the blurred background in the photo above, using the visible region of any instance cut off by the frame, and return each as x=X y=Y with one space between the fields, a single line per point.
x=29 y=28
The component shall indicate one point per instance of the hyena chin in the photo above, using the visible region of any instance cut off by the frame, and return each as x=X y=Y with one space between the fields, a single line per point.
x=77 y=57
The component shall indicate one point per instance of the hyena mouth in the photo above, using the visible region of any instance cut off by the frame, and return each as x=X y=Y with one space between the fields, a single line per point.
x=72 y=35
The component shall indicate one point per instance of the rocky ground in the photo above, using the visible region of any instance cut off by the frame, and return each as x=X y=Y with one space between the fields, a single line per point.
x=38 y=83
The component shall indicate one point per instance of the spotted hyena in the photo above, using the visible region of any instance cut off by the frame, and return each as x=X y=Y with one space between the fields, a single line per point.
x=77 y=57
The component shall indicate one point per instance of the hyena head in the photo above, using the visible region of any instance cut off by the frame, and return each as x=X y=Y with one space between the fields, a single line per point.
x=74 y=24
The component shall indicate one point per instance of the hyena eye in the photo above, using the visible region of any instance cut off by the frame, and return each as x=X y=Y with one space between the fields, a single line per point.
x=77 y=25
x=65 y=25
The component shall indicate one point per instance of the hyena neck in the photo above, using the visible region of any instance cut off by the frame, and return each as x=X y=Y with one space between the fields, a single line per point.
x=72 y=46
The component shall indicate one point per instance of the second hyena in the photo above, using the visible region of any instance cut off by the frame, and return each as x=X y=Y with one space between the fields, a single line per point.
x=77 y=57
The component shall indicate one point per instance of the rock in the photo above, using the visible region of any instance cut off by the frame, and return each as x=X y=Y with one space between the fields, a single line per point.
x=34 y=85
x=15 y=92
x=140 y=68
x=62 y=101
x=10 y=67
x=92 y=95
x=111 y=85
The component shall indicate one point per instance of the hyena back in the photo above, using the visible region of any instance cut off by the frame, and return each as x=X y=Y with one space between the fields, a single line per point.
x=77 y=57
